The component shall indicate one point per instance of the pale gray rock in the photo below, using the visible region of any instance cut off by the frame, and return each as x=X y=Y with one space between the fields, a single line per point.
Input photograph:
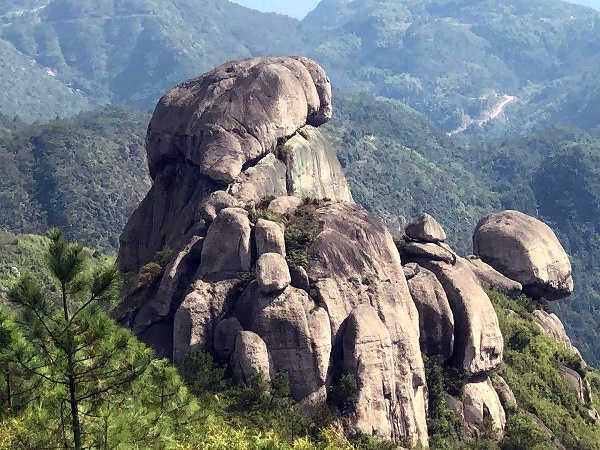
x=227 y=244
x=525 y=250
x=426 y=229
x=480 y=400
x=551 y=325
x=478 y=342
x=15 y=272
x=369 y=357
x=270 y=237
x=491 y=278
x=505 y=393
x=284 y=205
x=250 y=358
x=313 y=168
x=428 y=251
x=212 y=205
x=267 y=177
x=353 y=261
x=272 y=273
x=580 y=386
x=195 y=320
x=297 y=334
x=226 y=333
x=236 y=113
x=436 y=321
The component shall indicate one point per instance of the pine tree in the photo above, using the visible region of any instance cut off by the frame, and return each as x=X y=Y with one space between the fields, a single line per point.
x=77 y=350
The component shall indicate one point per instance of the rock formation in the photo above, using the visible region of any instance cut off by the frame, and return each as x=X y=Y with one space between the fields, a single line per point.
x=260 y=278
x=248 y=246
x=525 y=250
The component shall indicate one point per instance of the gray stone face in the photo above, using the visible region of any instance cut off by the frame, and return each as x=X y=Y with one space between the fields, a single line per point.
x=226 y=333
x=195 y=320
x=250 y=358
x=227 y=244
x=504 y=391
x=525 y=250
x=313 y=168
x=369 y=357
x=210 y=121
x=352 y=262
x=272 y=273
x=297 y=335
x=478 y=342
x=267 y=177
x=270 y=237
x=436 y=321
x=426 y=229
x=491 y=278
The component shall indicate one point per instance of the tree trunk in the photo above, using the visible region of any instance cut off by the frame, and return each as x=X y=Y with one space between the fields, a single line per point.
x=74 y=414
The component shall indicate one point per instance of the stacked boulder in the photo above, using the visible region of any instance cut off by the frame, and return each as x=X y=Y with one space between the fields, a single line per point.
x=457 y=320
x=232 y=155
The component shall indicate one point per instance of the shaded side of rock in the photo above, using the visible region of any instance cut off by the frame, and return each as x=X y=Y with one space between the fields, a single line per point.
x=478 y=342
x=525 y=250
x=505 y=393
x=226 y=334
x=428 y=251
x=551 y=325
x=267 y=177
x=213 y=203
x=436 y=321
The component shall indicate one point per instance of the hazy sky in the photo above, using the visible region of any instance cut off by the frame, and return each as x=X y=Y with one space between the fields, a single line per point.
x=300 y=8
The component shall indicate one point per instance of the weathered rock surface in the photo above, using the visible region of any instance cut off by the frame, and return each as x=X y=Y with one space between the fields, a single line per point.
x=428 y=251
x=226 y=334
x=525 y=250
x=227 y=244
x=352 y=262
x=478 y=342
x=272 y=273
x=309 y=157
x=426 y=229
x=197 y=316
x=270 y=237
x=296 y=332
x=436 y=321
x=480 y=401
x=369 y=357
x=491 y=278
x=250 y=358
x=236 y=113
x=267 y=177
x=551 y=325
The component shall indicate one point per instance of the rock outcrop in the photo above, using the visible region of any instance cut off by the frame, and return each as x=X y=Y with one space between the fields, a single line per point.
x=525 y=250
x=220 y=147
x=551 y=325
x=491 y=278
x=426 y=229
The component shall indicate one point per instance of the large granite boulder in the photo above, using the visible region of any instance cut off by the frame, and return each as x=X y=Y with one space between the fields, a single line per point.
x=236 y=113
x=272 y=273
x=481 y=401
x=425 y=229
x=525 y=250
x=415 y=251
x=269 y=237
x=352 y=262
x=250 y=358
x=478 y=341
x=296 y=332
x=436 y=321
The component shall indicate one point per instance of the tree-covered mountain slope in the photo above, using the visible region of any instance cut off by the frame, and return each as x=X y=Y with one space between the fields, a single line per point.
x=84 y=174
